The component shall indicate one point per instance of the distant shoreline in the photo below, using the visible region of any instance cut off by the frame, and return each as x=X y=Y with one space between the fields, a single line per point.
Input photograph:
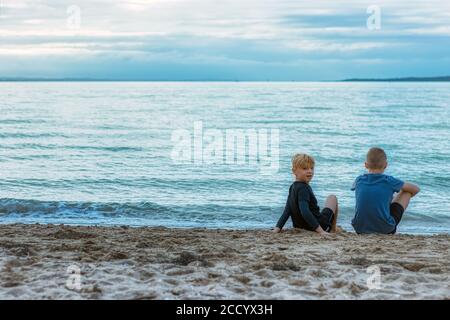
x=405 y=79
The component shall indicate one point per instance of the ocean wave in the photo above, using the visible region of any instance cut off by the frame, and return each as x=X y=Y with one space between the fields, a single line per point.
x=38 y=146
x=35 y=135
x=23 y=207
x=27 y=207
x=22 y=121
x=198 y=184
x=147 y=213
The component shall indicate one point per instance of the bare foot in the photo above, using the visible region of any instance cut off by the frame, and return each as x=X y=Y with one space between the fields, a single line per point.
x=276 y=230
x=338 y=229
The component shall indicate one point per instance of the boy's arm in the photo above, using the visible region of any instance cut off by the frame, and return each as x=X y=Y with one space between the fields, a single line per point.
x=284 y=217
x=411 y=188
x=282 y=221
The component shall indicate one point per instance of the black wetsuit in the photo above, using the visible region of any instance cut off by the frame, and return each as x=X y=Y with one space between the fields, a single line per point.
x=302 y=207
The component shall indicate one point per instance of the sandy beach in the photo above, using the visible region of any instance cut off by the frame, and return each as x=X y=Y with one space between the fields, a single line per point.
x=43 y=261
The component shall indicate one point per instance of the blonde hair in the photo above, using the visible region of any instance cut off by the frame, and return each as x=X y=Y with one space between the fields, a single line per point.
x=376 y=158
x=302 y=160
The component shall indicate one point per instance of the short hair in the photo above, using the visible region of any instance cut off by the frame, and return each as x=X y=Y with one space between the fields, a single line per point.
x=302 y=160
x=376 y=158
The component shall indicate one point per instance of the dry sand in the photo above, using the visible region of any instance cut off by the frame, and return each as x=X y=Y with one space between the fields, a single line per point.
x=161 y=263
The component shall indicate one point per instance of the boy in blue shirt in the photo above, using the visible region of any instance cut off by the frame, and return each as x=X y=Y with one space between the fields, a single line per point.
x=377 y=211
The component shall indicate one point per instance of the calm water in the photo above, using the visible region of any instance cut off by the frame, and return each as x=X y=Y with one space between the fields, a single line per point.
x=101 y=153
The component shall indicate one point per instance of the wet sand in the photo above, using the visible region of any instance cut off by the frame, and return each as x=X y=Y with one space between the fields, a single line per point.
x=42 y=261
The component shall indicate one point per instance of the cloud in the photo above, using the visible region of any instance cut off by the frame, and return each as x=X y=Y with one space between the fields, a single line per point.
x=191 y=39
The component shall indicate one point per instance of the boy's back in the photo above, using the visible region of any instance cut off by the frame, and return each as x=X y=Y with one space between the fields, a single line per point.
x=374 y=193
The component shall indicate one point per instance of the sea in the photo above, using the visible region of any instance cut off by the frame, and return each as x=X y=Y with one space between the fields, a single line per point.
x=214 y=154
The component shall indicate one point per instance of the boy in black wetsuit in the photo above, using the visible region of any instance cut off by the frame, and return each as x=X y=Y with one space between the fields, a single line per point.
x=301 y=204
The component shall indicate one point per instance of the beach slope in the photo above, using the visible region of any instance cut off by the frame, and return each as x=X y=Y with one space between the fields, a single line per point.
x=65 y=262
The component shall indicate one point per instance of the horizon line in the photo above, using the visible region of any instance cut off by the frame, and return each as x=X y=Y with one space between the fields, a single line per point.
x=81 y=79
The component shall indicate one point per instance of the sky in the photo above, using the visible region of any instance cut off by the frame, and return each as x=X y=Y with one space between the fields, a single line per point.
x=281 y=40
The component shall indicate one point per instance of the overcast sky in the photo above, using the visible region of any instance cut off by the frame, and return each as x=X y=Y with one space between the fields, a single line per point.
x=223 y=39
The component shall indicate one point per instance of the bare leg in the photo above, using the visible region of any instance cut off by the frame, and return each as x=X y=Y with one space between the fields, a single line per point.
x=332 y=203
x=333 y=224
x=403 y=198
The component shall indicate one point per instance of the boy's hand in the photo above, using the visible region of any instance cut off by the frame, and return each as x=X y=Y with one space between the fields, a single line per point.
x=411 y=188
x=276 y=230
x=322 y=232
